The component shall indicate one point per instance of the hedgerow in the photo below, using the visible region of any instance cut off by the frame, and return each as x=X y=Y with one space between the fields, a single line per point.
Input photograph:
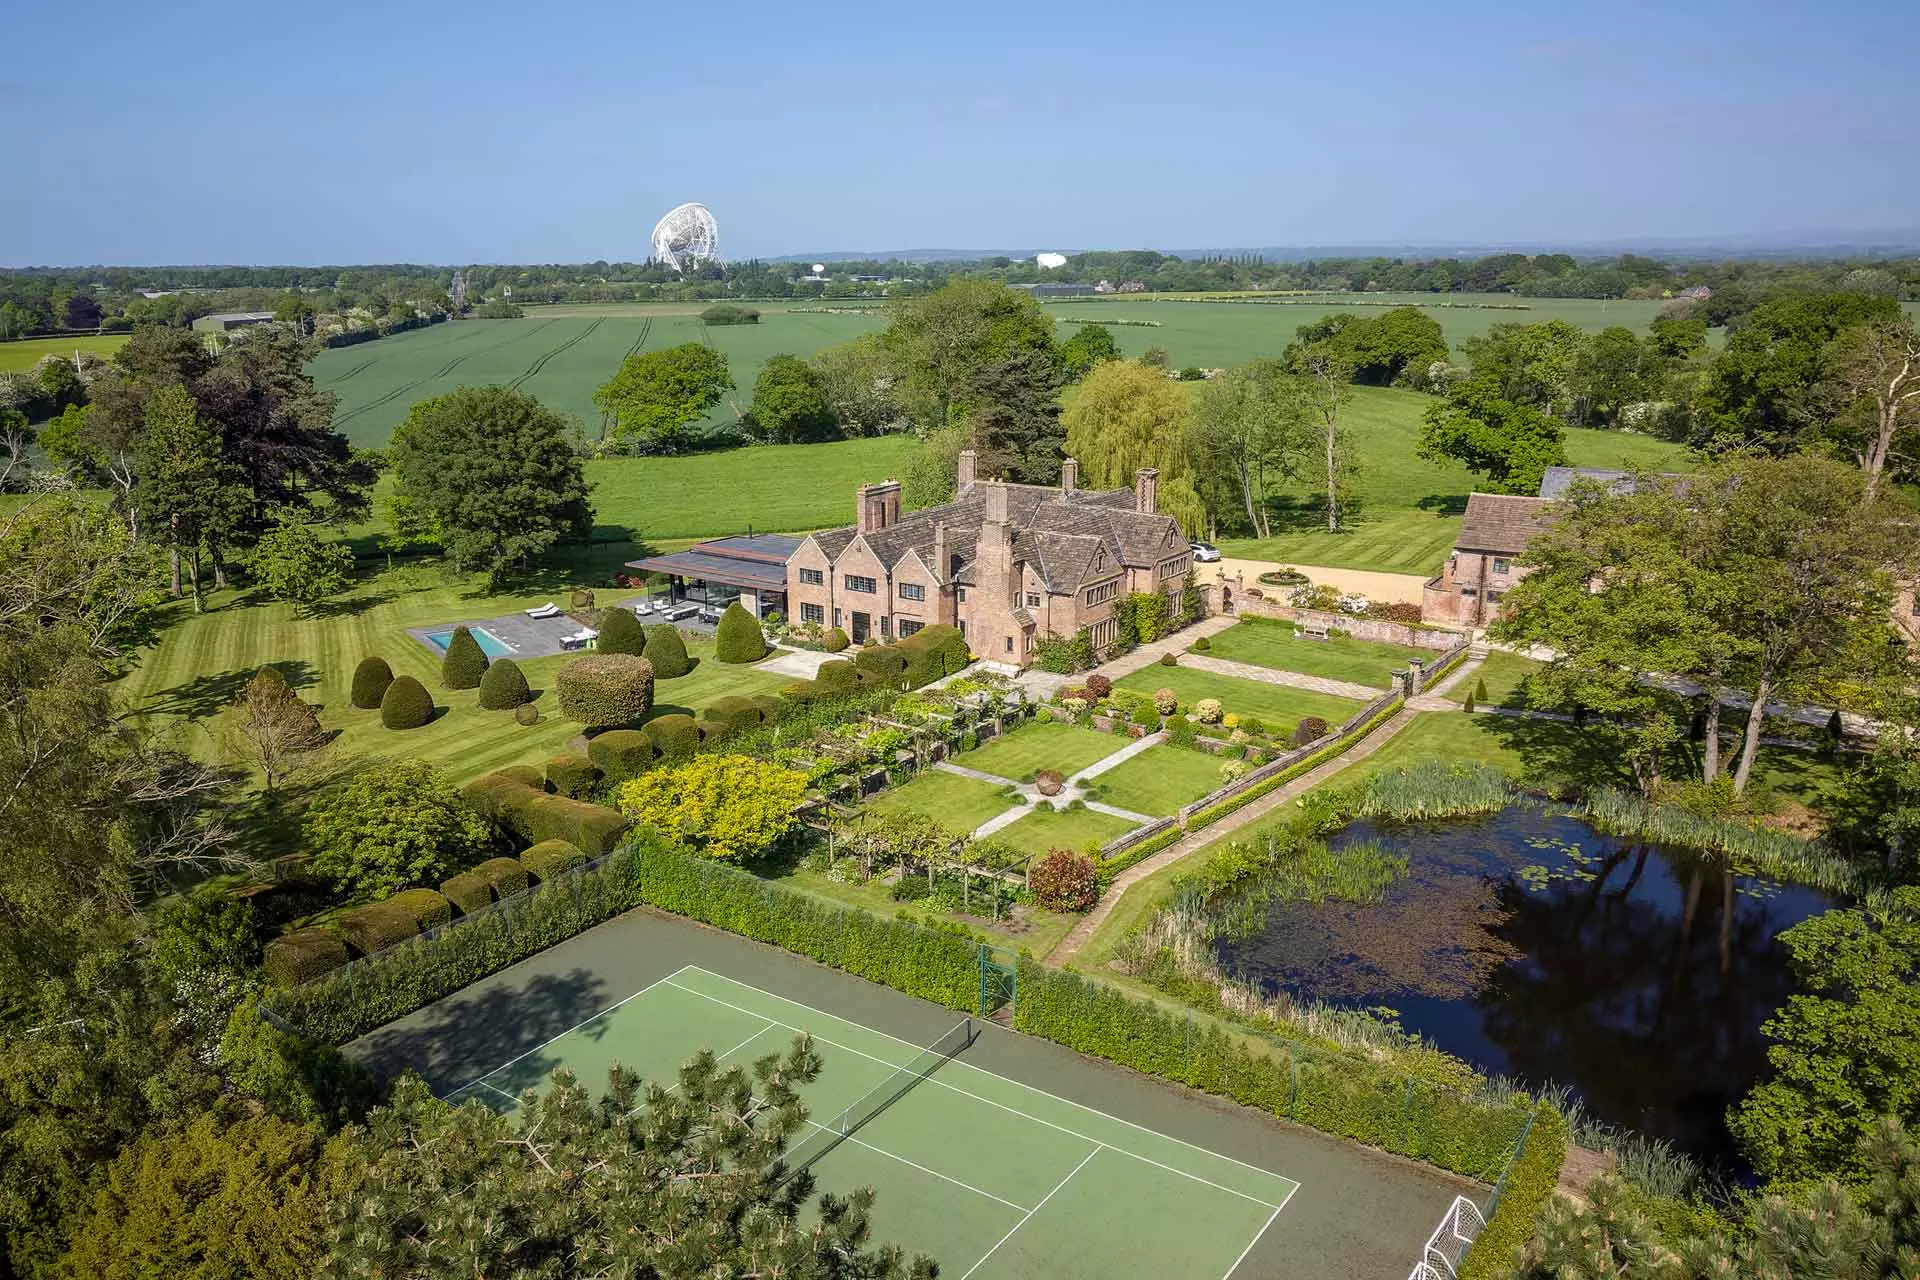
x=293 y=958
x=1527 y=1186
x=549 y=858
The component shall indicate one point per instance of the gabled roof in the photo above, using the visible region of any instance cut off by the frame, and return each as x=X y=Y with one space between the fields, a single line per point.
x=1555 y=481
x=1502 y=523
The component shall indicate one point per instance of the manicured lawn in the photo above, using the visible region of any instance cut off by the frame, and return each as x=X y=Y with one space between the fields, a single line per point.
x=1074 y=829
x=1272 y=644
x=1502 y=672
x=960 y=803
x=1159 y=780
x=1042 y=744
x=1278 y=705
x=22 y=355
x=199 y=663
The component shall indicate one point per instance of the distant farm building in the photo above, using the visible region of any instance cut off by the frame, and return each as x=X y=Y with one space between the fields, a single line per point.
x=227 y=321
x=1057 y=290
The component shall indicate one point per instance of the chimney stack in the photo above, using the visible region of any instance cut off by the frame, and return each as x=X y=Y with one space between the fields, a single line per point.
x=1146 y=491
x=877 y=507
x=942 y=559
x=1069 y=476
x=996 y=512
x=969 y=466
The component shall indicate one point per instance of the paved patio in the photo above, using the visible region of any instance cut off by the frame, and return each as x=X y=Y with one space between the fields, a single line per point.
x=527 y=637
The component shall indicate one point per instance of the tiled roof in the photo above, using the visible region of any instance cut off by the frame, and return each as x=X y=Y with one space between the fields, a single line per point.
x=1502 y=523
x=1555 y=481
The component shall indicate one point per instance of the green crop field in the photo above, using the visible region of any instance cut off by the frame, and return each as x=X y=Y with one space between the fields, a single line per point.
x=15 y=356
x=560 y=357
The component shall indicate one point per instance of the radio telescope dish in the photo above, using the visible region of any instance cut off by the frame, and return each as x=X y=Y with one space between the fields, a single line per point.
x=687 y=237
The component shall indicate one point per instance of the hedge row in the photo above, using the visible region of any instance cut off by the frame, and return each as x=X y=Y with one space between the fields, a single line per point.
x=920 y=659
x=1337 y=1093
x=1528 y=1185
x=519 y=805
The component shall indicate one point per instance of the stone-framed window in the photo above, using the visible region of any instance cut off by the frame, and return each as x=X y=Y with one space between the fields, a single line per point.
x=816 y=614
x=912 y=591
x=812 y=578
x=908 y=626
x=1033 y=599
x=1102 y=593
x=1501 y=564
x=860 y=583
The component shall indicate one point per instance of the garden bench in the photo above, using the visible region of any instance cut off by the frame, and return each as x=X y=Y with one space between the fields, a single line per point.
x=1311 y=631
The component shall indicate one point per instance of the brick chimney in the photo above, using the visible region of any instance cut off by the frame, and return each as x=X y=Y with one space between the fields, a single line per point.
x=1069 y=476
x=878 y=506
x=1146 y=491
x=993 y=556
x=969 y=468
x=942 y=557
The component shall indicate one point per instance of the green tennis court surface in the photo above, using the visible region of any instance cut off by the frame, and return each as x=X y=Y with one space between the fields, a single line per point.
x=992 y=1178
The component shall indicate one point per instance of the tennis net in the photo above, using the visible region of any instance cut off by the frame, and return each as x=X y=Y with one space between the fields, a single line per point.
x=831 y=1133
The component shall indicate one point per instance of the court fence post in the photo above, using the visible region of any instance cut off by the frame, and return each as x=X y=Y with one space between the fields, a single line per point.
x=1406 y=1119
x=1293 y=1073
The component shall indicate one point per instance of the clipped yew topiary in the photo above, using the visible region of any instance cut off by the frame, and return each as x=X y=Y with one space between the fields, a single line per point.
x=370 y=681
x=621 y=754
x=571 y=775
x=468 y=892
x=506 y=875
x=667 y=651
x=738 y=712
x=738 y=638
x=605 y=690
x=406 y=704
x=836 y=641
x=465 y=663
x=549 y=858
x=525 y=774
x=675 y=737
x=621 y=632
x=504 y=687
x=837 y=678
x=301 y=956
x=373 y=928
x=428 y=909
x=526 y=714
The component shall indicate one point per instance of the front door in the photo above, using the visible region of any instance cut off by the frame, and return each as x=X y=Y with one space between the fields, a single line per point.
x=862 y=627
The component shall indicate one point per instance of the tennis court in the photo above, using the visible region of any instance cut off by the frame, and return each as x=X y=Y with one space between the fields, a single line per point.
x=991 y=1177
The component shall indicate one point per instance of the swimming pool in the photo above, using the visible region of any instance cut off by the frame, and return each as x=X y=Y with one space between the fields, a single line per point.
x=490 y=644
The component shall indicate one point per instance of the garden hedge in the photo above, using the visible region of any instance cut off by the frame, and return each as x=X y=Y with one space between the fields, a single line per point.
x=570 y=774
x=504 y=687
x=468 y=892
x=300 y=956
x=377 y=926
x=506 y=875
x=496 y=795
x=1526 y=1188
x=593 y=828
x=667 y=652
x=406 y=704
x=740 y=712
x=605 y=690
x=1339 y=1093
x=738 y=637
x=427 y=907
x=884 y=663
x=1215 y=812
x=465 y=663
x=837 y=678
x=621 y=632
x=835 y=641
x=621 y=754
x=370 y=681
x=674 y=736
x=933 y=652
x=549 y=858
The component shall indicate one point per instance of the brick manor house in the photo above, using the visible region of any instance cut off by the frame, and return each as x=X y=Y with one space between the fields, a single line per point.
x=1006 y=563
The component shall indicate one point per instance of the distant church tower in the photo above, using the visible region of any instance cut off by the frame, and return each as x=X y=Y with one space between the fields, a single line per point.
x=459 y=290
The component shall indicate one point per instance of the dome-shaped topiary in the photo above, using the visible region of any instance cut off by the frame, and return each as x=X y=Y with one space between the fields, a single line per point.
x=504 y=686
x=465 y=663
x=406 y=705
x=676 y=737
x=667 y=652
x=738 y=638
x=836 y=641
x=605 y=689
x=526 y=713
x=621 y=754
x=370 y=681
x=621 y=632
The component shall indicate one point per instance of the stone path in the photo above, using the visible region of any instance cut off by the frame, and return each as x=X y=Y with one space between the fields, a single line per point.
x=1267 y=675
x=980 y=775
x=1118 y=758
x=1029 y=794
x=1115 y=811
x=1144 y=656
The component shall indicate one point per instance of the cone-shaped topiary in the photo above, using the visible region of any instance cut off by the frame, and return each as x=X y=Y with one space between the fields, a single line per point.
x=605 y=689
x=407 y=704
x=504 y=686
x=836 y=641
x=1480 y=691
x=738 y=638
x=465 y=663
x=370 y=681
x=621 y=632
x=667 y=652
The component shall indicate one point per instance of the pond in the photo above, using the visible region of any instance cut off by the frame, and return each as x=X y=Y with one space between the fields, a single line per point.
x=1529 y=944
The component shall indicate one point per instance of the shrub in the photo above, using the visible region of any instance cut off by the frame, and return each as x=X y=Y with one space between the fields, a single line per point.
x=592 y=828
x=503 y=687
x=675 y=737
x=304 y=954
x=1146 y=713
x=526 y=714
x=667 y=652
x=581 y=598
x=1168 y=660
x=428 y=909
x=370 y=681
x=1209 y=711
x=837 y=678
x=621 y=754
x=494 y=795
x=933 y=652
x=1480 y=691
x=525 y=774
x=506 y=875
x=1165 y=701
x=621 y=632
x=1099 y=686
x=378 y=926
x=570 y=774
x=549 y=858
x=738 y=638
x=203 y=936
x=1202 y=645
x=465 y=662
x=1064 y=881
x=468 y=892
x=1310 y=729
x=1182 y=732
x=1253 y=725
x=835 y=641
x=406 y=704
x=726 y=806
x=394 y=823
x=605 y=689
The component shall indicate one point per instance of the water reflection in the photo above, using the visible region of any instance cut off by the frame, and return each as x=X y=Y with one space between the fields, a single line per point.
x=1529 y=944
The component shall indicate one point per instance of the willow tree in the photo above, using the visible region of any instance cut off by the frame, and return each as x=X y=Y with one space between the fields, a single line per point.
x=1128 y=416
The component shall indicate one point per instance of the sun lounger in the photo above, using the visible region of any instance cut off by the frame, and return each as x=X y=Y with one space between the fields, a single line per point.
x=642 y=608
x=579 y=639
x=684 y=612
x=547 y=610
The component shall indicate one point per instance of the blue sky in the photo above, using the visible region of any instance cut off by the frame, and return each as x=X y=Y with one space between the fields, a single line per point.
x=528 y=132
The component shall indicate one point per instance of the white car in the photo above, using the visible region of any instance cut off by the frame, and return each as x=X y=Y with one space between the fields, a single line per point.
x=1205 y=552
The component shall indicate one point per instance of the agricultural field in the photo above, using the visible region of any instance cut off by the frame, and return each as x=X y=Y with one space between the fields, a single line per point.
x=560 y=358
x=24 y=354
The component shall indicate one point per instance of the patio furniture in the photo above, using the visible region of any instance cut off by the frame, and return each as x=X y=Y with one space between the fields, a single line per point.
x=710 y=614
x=1312 y=631
x=579 y=639
x=642 y=608
x=684 y=612
x=547 y=610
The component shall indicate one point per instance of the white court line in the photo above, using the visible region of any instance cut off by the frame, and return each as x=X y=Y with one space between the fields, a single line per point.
x=766 y=1025
x=1081 y=1106
x=1037 y=1208
x=882 y=1151
x=1268 y=1204
x=576 y=1026
x=502 y=1092
x=1256 y=1240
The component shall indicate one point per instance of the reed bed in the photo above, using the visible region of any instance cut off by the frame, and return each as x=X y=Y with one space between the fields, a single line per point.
x=1434 y=789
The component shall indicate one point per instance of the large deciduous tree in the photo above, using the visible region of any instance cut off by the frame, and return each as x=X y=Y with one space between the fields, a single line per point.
x=493 y=473
x=1868 y=399
x=295 y=563
x=190 y=496
x=789 y=406
x=1508 y=443
x=391 y=824
x=1090 y=345
x=860 y=383
x=943 y=342
x=655 y=396
x=1252 y=423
